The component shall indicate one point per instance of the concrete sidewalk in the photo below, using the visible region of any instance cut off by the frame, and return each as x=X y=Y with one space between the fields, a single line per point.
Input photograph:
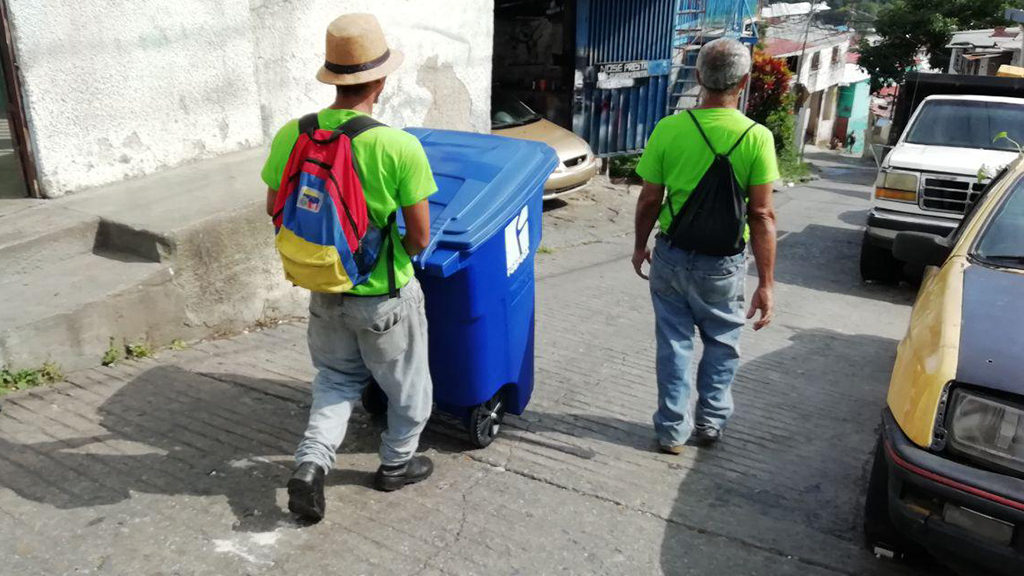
x=176 y=466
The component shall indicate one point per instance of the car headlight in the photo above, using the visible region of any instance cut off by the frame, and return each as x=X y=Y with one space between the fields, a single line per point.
x=987 y=429
x=901 y=186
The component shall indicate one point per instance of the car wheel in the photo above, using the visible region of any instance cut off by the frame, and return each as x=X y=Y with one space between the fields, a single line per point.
x=880 y=534
x=485 y=420
x=878 y=264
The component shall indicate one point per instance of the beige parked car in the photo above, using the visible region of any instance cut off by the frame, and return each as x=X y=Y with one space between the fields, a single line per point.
x=513 y=119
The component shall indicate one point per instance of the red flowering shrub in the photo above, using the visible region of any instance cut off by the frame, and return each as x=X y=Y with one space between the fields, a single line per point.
x=770 y=79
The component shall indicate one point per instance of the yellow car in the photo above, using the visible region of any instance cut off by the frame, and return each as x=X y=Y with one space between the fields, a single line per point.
x=948 y=474
x=577 y=163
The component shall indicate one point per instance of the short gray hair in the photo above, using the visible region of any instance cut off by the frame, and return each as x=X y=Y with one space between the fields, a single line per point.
x=722 y=63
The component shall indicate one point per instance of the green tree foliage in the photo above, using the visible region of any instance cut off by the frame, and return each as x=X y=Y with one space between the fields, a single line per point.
x=905 y=26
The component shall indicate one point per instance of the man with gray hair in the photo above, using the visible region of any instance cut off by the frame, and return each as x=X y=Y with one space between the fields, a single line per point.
x=708 y=178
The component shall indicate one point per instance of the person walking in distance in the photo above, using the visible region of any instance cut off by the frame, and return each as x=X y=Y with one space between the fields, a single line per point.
x=708 y=177
x=368 y=324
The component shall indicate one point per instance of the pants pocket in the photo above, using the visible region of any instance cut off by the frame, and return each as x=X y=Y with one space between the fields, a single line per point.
x=387 y=337
x=720 y=285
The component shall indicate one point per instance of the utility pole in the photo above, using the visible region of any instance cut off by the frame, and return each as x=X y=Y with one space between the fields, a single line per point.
x=800 y=66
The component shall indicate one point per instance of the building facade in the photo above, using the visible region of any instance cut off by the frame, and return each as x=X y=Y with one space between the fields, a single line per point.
x=982 y=52
x=817 y=55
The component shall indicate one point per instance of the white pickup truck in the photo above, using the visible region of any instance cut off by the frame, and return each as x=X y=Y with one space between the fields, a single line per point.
x=930 y=178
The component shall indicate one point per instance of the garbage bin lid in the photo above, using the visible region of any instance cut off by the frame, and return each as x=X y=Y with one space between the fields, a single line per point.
x=483 y=182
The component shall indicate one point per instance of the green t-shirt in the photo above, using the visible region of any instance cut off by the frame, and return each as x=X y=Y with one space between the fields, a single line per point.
x=393 y=170
x=677 y=156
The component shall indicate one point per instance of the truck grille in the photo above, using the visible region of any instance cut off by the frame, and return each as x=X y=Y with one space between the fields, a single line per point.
x=950 y=193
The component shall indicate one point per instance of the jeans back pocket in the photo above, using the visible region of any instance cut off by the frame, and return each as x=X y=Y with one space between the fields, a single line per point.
x=720 y=285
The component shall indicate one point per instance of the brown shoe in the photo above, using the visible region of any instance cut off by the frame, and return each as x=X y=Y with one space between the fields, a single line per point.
x=673 y=450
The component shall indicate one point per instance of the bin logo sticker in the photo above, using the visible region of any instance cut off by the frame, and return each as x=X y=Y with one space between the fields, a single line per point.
x=517 y=240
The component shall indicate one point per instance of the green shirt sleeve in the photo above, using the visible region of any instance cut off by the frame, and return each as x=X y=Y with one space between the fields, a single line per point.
x=765 y=168
x=416 y=180
x=280 y=150
x=652 y=163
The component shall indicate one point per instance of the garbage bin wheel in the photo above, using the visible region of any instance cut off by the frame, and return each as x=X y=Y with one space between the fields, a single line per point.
x=375 y=402
x=485 y=420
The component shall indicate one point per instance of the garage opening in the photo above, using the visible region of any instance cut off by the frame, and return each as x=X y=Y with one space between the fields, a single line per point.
x=599 y=68
x=534 y=43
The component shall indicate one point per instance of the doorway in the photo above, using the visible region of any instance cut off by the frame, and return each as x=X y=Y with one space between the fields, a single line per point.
x=16 y=166
x=534 y=45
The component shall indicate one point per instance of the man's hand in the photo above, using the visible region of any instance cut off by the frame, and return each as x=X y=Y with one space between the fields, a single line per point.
x=639 y=257
x=648 y=205
x=763 y=301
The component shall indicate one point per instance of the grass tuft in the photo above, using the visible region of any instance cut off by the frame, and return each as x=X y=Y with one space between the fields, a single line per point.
x=137 y=351
x=12 y=380
x=112 y=355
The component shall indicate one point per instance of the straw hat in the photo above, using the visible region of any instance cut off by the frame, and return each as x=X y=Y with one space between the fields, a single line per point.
x=357 y=52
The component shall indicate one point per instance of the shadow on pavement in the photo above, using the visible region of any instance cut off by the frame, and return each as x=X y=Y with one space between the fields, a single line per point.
x=827 y=258
x=173 y=432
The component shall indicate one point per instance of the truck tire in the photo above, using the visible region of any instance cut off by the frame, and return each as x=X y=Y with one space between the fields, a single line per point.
x=878 y=264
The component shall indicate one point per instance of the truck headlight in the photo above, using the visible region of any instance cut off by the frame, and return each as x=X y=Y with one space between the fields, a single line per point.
x=899 y=186
x=987 y=429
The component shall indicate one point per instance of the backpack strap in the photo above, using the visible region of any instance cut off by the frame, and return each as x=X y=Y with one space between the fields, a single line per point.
x=390 y=231
x=309 y=124
x=701 y=130
x=708 y=142
x=353 y=128
x=356 y=126
x=742 y=136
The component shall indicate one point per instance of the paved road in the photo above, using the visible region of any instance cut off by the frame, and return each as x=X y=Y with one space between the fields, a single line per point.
x=174 y=466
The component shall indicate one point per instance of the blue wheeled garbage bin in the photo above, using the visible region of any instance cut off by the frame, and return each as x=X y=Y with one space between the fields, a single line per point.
x=477 y=274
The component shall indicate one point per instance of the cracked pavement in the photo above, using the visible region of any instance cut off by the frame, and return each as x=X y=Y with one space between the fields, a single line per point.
x=176 y=465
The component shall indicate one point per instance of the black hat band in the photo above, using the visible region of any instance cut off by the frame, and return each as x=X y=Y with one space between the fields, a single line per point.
x=357 y=68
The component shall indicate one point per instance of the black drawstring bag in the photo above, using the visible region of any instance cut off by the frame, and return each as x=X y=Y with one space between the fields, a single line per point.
x=714 y=217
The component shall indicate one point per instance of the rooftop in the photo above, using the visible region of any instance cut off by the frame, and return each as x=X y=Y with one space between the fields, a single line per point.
x=1000 y=39
x=787 y=38
x=785 y=10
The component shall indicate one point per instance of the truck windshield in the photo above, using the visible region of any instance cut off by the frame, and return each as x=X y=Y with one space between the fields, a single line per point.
x=967 y=124
x=1002 y=242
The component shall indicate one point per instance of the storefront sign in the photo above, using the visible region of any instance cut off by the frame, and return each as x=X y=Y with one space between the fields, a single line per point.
x=633 y=69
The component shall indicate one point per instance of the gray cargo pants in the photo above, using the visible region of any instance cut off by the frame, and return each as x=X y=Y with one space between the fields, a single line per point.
x=353 y=339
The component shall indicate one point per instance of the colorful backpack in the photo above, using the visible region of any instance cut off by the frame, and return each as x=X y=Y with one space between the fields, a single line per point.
x=324 y=233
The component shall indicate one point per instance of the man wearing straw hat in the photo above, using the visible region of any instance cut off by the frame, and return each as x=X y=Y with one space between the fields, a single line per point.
x=366 y=334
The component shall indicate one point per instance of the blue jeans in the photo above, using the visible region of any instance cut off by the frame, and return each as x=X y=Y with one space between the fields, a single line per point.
x=353 y=339
x=692 y=292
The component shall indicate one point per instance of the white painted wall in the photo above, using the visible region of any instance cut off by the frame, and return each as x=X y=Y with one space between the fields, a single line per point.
x=118 y=90
x=446 y=81
x=827 y=74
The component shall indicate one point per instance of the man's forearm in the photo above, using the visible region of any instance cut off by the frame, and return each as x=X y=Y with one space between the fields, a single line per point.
x=647 y=208
x=762 y=238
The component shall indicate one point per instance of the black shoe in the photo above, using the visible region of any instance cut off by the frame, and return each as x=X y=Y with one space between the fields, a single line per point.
x=391 y=478
x=306 y=492
x=706 y=435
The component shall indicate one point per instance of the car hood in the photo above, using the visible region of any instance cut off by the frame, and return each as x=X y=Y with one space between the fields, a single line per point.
x=991 y=330
x=565 y=143
x=964 y=161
